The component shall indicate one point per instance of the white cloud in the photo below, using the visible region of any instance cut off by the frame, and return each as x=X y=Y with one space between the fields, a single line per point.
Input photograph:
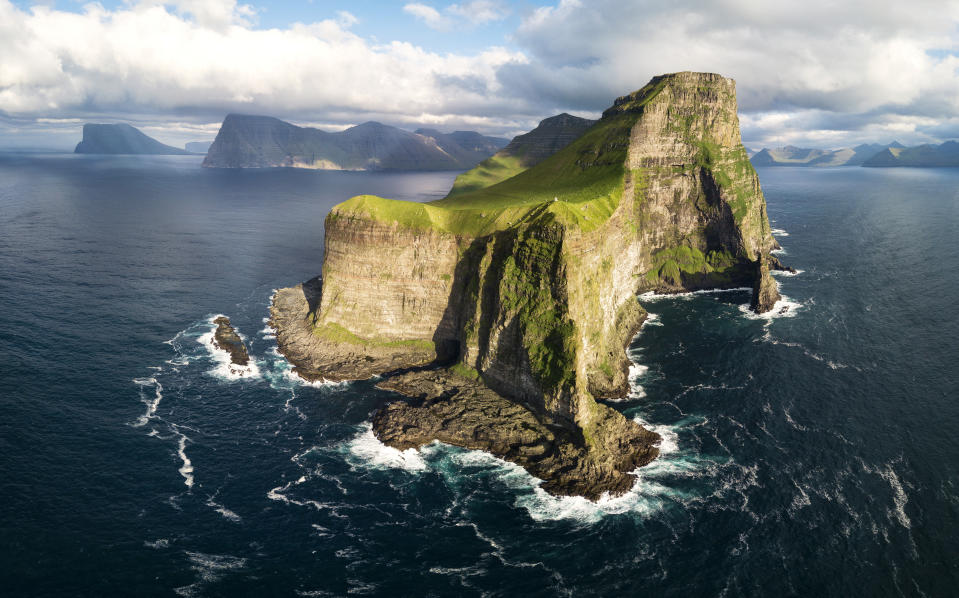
x=817 y=72
x=475 y=12
x=428 y=15
x=479 y=12
x=855 y=58
x=152 y=59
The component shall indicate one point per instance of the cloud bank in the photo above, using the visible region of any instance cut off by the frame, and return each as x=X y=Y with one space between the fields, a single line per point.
x=819 y=72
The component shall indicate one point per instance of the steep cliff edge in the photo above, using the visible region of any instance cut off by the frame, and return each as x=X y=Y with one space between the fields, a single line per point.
x=529 y=285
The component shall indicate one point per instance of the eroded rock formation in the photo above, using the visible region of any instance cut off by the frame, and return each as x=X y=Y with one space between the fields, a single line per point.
x=529 y=285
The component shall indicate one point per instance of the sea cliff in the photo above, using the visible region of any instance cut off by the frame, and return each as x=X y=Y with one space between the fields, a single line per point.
x=525 y=290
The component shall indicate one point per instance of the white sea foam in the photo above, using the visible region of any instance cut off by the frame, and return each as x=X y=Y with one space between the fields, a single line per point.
x=767 y=337
x=780 y=232
x=227 y=513
x=786 y=272
x=652 y=320
x=899 y=495
x=366 y=447
x=225 y=367
x=779 y=251
x=186 y=470
x=282 y=376
x=278 y=494
x=784 y=308
x=654 y=296
x=157 y=544
x=151 y=402
x=210 y=568
x=636 y=373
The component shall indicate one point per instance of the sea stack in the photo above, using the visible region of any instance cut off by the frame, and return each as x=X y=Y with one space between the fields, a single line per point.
x=226 y=338
x=524 y=292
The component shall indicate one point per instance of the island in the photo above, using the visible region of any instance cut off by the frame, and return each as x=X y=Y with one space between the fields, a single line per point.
x=922 y=156
x=502 y=312
x=226 y=338
x=820 y=158
x=121 y=138
x=250 y=141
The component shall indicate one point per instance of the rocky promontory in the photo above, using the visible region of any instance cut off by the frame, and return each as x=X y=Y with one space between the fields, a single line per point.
x=226 y=338
x=503 y=311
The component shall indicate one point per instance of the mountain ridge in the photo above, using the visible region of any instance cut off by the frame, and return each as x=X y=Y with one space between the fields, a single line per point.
x=255 y=141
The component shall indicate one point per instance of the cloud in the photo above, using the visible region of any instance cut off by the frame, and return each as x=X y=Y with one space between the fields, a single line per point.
x=850 y=58
x=476 y=12
x=184 y=61
x=479 y=12
x=819 y=72
x=429 y=15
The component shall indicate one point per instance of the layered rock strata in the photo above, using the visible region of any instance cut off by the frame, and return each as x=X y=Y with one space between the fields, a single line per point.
x=529 y=285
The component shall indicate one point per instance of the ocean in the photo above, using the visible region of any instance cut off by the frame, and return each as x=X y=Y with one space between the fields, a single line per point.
x=812 y=452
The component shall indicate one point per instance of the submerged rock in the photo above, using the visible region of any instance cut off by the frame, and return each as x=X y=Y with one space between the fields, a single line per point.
x=227 y=339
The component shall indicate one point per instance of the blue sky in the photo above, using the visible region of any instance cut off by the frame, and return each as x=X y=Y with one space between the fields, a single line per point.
x=816 y=73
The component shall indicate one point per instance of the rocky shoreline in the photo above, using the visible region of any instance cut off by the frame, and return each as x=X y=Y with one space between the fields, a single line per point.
x=452 y=408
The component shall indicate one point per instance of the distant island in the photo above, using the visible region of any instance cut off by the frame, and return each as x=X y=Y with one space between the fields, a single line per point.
x=874 y=155
x=502 y=312
x=246 y=141
x=122 y=139
x=198 y=147
x=946 y=154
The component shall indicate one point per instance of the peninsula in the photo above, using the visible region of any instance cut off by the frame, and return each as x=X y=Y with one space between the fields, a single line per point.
x=502 y=312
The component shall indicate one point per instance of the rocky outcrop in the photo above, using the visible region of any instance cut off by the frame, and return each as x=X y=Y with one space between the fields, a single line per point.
x=458 y=410
x=226 y=338
x=530 y=284
x=121 y=139
x=246 y=141
x=765 y=291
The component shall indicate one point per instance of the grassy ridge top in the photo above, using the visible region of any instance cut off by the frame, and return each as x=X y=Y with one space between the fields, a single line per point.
x=578 y=186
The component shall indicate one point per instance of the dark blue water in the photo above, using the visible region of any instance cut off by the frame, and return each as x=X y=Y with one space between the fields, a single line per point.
x=814 y=453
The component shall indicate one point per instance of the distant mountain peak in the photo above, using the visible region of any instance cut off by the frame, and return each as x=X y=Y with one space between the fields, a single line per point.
x=121 y=138
x=247 y=141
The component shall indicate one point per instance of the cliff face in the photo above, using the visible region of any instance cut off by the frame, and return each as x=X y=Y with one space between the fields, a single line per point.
x=121 y=139
x=261 y=141
x=530 y=284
